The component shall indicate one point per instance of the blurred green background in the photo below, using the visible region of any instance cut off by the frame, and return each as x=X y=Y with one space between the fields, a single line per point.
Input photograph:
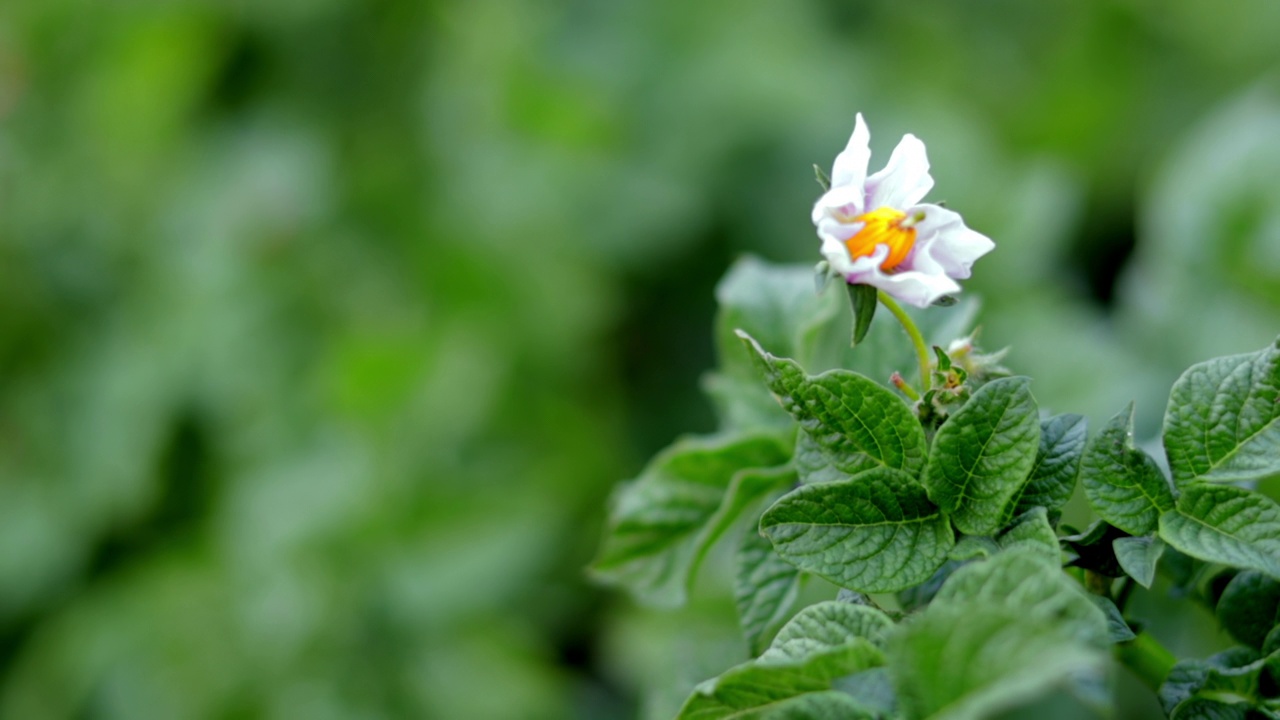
x=326 y=326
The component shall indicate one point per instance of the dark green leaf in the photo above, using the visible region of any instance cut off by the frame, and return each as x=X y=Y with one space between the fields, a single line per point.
x=765 y=587
x=1247 y=607
x=1053 y=476
x=1117 y=629
x=863 y=300
x=876 y=532
x=857 y=423
x=1226 y=524
x=1223 y=419
x=981 y=455
x=1138 y=557
x=663 y=520
x=1124 y=485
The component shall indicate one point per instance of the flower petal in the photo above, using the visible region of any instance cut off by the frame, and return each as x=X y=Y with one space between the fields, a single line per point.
x=943 y=238
x=837 y=254
x=850 y=167
x=844 y=200
x=905 y=180
x=917 y=288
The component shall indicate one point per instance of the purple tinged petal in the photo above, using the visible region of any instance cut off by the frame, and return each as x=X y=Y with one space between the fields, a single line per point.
x=905 y=180
x=943 y=238
x=850 y=167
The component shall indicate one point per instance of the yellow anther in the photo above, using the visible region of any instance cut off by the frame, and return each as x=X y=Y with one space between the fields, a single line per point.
x=884 y=226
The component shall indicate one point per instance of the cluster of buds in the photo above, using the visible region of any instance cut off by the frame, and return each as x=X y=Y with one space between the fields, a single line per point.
x=960 y=369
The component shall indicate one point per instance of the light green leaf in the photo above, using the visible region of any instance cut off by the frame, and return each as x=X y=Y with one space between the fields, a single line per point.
x=1226 y=524
x=660 y=522
x=746 y=488
x=970 y=661
x=856 y=422
x=1138 y=557
x=1053 y=476
x=876 y=532
x=969 y=547
x=821 y=643
x=765 y=587
x=1028 y=583
x=1032 y=530
x=1124 y=485
x=1247 y=607
x=1223 y=419
x=981 y=455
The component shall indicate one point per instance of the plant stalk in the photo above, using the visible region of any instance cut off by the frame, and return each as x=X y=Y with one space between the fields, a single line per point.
x=1147 y=658
x=922 y=350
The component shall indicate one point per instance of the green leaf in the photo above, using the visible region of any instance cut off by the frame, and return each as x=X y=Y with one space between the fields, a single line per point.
x=746 y=488
x=1226 y=524
x=1117 y=629
x=1053 y=476
x=1223 y=419
x=1032 y=530
x=777 y=304
x=812 y=464
x=981 y=455
x=875 y=532
x=864 y=303
x=1138 y=557
x=1124 y=485
x=970 y=547
x=663 y=520
x=1247 y=607
x=856 y=422
x=1232 y=673
x=1025 y=581
x=765 y=587
x=970 y=661
x=821 y=643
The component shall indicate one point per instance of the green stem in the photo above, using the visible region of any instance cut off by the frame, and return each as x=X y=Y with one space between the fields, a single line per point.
x=1147 y=658
x=922 y=350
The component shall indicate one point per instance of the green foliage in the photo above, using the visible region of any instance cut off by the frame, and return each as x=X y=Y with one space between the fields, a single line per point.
x=1124 y=485
x=982 y=454
x=664 y=521
x=1138 y=556
x=1226 y=524
x=857 y=423
x=875 y=532
x=821 y=643
x=953 y=507
x=1053 y=476
x=1223 y=421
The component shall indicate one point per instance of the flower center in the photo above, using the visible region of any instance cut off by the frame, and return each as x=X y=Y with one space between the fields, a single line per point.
x=884 y=226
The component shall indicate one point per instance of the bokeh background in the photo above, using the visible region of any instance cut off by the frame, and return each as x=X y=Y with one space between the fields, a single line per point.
x=326 y=326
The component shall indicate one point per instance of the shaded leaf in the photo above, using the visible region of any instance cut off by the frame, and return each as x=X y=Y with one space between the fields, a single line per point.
x=1138 y=557
x=1247 y=607
x=765 y=587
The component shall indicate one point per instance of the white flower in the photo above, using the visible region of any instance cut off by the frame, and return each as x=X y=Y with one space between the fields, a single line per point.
x=875 y=231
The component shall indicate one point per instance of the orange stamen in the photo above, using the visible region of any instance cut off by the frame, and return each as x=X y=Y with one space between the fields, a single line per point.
x=884 y=226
